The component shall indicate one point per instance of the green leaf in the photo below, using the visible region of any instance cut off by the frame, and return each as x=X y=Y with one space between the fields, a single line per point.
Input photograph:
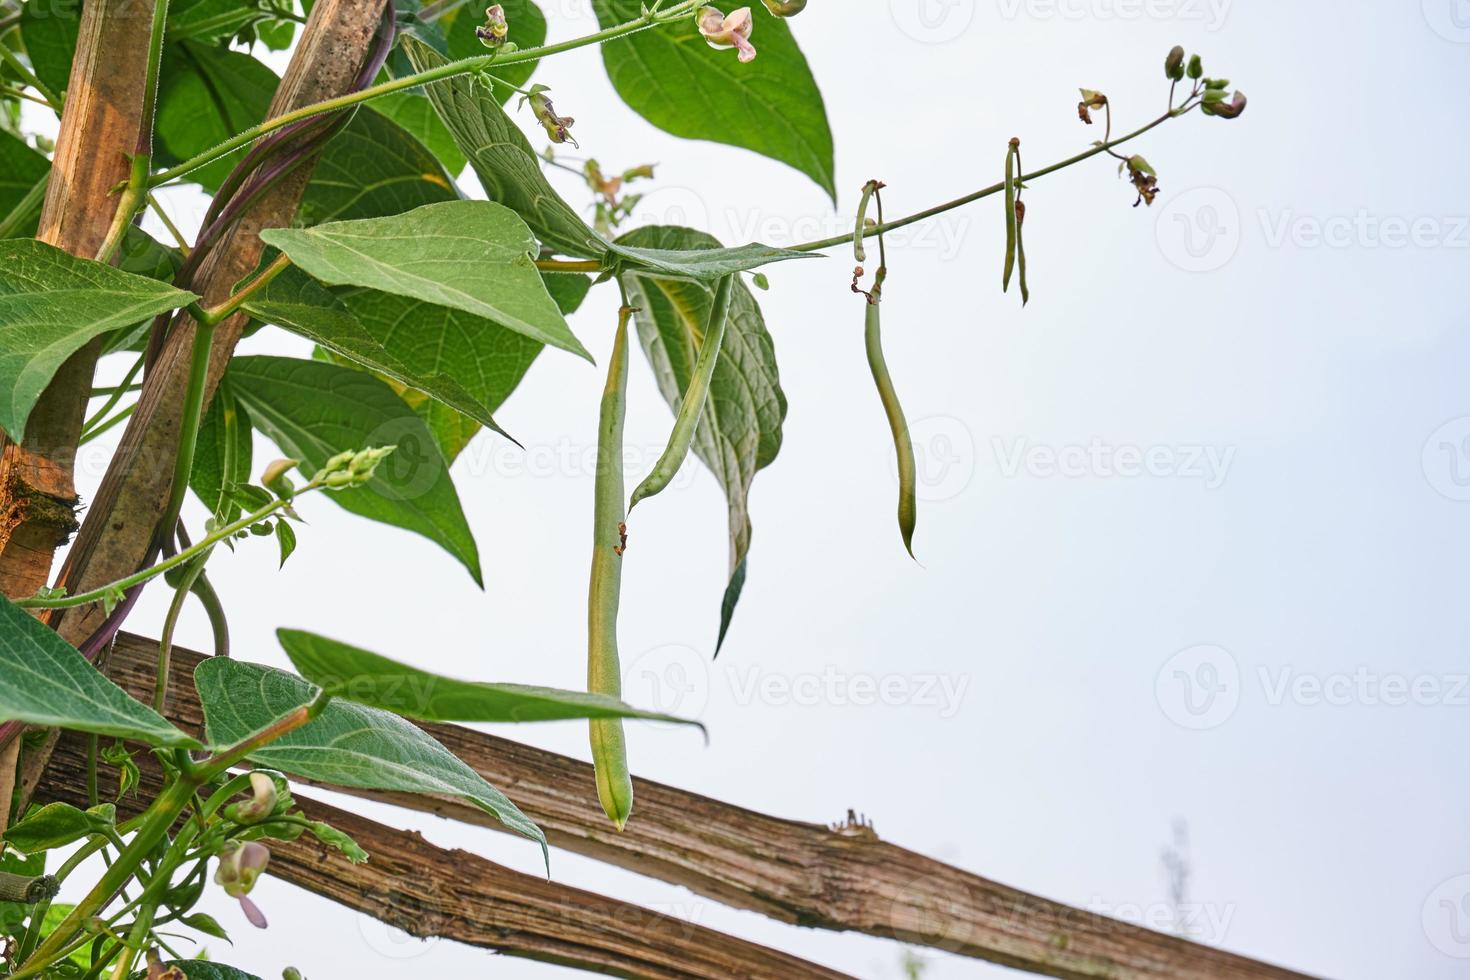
x=676 y=81
x=509 y=170
x=371 y=169
x=209 y=21
x=452 y=34
x=474 y=256
x=286 y=538
x=51 y=305
x=206 y=924
x=417 y=344
x=20 y=168
x=348 y=744
x=206 y=970
x=313 y=410
x=206 y=95
x=47 y=682
x=707 y=263
x=367 y=678
x=741 y=429
x=415 y=114
x=57 y=825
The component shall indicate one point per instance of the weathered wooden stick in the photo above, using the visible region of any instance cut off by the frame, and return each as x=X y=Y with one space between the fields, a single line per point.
x=104 y=108
x=807 y=874
x=428 y=891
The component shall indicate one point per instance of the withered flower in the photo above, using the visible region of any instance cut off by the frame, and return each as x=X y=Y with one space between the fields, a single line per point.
x=732 y=31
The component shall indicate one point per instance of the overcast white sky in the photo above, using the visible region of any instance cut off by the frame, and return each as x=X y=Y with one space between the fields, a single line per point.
x=1194 y=524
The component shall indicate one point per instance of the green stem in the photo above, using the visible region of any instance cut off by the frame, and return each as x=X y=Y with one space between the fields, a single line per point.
x=135 y=194
x=27 y=206
x=154 y=827
x=986 y=191
x=218 y=314
x=115 y=395
x=89 y=434
x=29 y=77
x=450 y=70
x=170 y=623
x=193 y=416
x=173 y=229
x=182 y=558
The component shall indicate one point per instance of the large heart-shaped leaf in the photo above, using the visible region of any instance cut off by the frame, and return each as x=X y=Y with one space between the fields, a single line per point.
x=474 y=256
x=45 y=681
x=51 y=304
x=435 y=351
x=207 y=94
x=346 y=745
x=740 y=432
x=313 y=410
x=426 y=347
x=371 y=169
x=367 y=678
x=509 y=170
x=772 y=105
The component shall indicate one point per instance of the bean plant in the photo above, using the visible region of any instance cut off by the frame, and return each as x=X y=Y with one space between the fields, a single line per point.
x=427 y=307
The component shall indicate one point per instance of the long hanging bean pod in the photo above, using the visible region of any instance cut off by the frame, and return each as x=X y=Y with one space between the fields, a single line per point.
x=1020 y=214
x=604 y=675
x=692 y=407
x=903 y=444
x=1012 y=152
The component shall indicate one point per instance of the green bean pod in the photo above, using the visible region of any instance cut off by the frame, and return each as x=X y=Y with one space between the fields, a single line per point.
x=604 y=674
x=903 y=444
x=1020 y=210
x=1011 y=228
x=692 y=407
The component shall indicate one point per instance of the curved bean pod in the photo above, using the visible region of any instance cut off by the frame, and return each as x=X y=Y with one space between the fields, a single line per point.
x=903 y=445
x=604 y=674
x=692 y=407
x=1012 y=151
